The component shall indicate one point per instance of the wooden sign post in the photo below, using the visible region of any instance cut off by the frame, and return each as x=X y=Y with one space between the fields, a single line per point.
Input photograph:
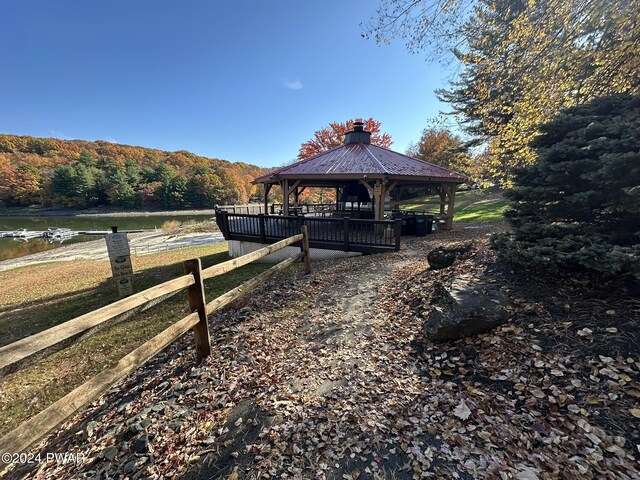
x=120 y=257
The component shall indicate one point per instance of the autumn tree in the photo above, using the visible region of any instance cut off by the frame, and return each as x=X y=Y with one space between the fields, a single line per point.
x=522 y=61
x=333 y=136
x=443 y=148
x=7 y=180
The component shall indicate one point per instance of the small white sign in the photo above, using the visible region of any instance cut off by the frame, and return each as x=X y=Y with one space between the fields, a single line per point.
x=117 y=245
x=125 y=286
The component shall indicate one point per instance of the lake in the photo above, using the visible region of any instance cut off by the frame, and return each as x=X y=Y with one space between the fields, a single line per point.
x=9 y=248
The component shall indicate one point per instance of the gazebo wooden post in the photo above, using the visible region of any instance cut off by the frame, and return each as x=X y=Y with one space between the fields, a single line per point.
x=285 y=197
x=451 y=191
x=267 y=189
x=379 y=210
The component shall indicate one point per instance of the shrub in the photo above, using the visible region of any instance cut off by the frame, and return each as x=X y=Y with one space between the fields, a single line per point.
x=170 y=226
x=578 y=207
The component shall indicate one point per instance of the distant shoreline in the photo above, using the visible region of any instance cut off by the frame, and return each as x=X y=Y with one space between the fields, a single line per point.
x=104 y=213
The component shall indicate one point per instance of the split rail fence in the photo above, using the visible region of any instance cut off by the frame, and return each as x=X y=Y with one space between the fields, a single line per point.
x=18 y=354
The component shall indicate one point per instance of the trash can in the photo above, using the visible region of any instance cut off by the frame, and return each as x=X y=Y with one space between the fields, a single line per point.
x=421 y=225
x=411 y=225
x=429 y=224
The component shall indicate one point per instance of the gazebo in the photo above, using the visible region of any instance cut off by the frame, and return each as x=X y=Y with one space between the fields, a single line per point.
x=360 y=171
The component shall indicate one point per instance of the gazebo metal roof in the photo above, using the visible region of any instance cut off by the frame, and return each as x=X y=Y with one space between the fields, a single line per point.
x=355 y=160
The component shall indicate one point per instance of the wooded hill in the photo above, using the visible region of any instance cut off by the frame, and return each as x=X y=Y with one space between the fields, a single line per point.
x=49 y=172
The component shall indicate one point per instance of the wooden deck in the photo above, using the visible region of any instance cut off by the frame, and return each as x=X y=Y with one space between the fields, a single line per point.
x=343 y=234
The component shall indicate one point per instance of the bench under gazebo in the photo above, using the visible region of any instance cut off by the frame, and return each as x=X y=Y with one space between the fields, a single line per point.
x=367 y=180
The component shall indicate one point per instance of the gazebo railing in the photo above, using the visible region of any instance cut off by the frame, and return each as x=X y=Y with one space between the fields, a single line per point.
x=345 y=234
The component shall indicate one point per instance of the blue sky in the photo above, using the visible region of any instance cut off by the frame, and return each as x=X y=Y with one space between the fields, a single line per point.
x=240 y=80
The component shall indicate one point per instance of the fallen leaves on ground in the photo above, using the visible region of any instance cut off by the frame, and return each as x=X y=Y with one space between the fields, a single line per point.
x=326 y=376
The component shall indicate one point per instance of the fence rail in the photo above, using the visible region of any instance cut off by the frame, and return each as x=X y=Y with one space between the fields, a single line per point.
x=18 y=352
x=248 y=209
x=276 y=208
x=346 y=234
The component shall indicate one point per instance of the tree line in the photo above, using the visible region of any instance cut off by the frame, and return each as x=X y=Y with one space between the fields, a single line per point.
x=48 y=172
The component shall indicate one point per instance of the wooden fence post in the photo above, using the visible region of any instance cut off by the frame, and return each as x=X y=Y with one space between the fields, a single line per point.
x=197 y=303
x=305 y=249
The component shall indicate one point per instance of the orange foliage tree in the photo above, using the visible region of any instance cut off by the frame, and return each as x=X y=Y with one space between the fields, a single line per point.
x=333 y=136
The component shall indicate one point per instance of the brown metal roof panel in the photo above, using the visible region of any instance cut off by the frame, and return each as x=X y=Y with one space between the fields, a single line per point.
x=398 y=164
x=351 y=158
x=361 y=158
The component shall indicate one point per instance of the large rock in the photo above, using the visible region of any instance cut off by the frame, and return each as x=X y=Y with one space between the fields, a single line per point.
x=444 y=257
x=466 y=308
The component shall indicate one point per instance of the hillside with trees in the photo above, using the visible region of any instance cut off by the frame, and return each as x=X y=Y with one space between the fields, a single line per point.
x=47 y=172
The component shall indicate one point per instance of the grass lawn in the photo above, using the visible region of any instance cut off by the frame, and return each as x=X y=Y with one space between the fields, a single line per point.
x=38 y=297
x=472 y=206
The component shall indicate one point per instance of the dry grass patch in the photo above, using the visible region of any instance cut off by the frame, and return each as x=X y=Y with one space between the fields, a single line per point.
x=30 y=390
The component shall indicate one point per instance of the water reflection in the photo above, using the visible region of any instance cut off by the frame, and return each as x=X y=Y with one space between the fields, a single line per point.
x=10 y=249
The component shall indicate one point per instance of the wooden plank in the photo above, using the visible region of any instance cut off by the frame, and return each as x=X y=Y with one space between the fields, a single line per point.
x=305 y=249
x=20 y=351
x=249 y=285
x=292 y=189
x=37 y=427
x=227 y=266
x=369 y=188
x=197 y=303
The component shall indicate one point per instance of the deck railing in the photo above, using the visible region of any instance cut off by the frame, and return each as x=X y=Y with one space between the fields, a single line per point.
x=345 y=234
x=251 y=208
x=16 y=355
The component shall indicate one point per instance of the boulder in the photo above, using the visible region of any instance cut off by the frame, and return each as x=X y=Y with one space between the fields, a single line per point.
x=465 y=308
x=444 y=257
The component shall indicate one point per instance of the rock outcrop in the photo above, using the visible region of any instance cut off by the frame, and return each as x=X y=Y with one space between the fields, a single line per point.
x=465 y=308
x=444 y=257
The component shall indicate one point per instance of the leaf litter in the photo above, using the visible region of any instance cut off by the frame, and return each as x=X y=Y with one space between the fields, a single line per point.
x=326 y=376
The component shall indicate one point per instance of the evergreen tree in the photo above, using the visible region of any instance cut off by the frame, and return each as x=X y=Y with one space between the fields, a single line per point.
x=578 y=207
x=120 y=192
x=63 y=183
